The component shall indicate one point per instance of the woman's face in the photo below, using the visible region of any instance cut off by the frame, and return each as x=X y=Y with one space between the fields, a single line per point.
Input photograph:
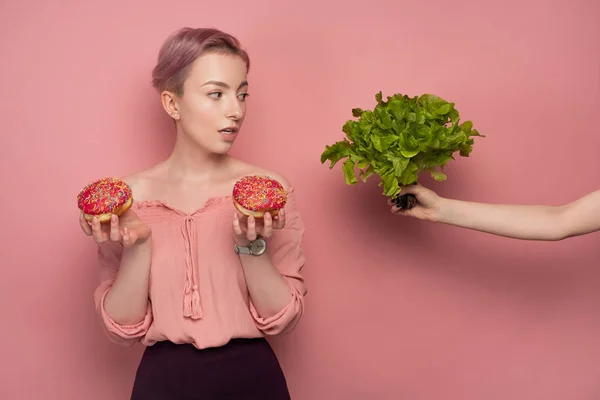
x=213 y=106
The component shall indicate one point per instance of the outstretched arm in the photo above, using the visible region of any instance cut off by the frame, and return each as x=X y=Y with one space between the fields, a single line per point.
x=527 y=222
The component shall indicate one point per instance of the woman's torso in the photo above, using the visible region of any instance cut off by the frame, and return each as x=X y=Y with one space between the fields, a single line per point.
x=197 y=286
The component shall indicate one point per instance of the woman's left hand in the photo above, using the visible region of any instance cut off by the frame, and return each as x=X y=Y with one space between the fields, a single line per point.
x=247 y=229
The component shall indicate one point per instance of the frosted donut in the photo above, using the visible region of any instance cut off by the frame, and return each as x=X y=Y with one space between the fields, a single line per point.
x=256 y=195
x=105 y=197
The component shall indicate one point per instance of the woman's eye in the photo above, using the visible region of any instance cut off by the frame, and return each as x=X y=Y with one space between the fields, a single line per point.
x=215 y=95
x=243 y=96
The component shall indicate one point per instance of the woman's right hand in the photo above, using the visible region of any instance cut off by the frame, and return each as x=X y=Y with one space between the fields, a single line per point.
x=427 y=207
x=127 y=230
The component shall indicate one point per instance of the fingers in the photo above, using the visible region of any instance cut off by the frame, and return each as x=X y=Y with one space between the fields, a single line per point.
x=280 y=220
x=267 y=229
x=251 y=228
x=103 y=232
x=85 y=225
x=115 y=234
x=247 y=229
x=127 y=238
x=403 y=202
x=97 y=233
x=412 y=189
x=415 y=189
x=398 y=210
x=237 y=226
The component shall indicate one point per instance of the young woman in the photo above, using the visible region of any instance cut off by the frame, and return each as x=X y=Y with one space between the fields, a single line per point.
x=535 y=222
x=170 y=276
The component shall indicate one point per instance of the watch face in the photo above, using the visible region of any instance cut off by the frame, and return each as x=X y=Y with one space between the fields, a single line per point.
x=258 y=247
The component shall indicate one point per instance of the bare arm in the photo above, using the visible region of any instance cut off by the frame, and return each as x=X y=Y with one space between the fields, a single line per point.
x=269 y=291
x=125 y=250
x=127 y=300
x=535 y=222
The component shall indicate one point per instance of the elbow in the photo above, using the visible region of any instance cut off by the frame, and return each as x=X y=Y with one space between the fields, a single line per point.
x=118 y=337
x=126 y=320
x=560 y=224
x=121 y=313
x=282 y=327
x=126 y=334
x=284 y=321
x=287 y=324
x=126 y=330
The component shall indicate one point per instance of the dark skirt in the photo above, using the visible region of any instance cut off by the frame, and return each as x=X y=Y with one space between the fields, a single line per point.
x=243 y=369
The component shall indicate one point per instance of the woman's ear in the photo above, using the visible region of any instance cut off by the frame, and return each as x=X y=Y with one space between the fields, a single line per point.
x=169 y=102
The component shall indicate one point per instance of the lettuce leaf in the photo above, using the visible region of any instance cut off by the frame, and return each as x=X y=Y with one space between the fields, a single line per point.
x=399 y=139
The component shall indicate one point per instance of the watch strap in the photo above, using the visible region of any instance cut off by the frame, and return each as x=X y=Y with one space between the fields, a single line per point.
x=242 y=249
x=248 y=248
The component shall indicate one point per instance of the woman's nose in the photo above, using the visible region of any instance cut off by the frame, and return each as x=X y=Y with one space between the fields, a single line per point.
x=234 y=111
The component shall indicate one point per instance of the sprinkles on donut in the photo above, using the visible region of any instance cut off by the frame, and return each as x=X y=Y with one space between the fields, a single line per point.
x=103 y=198
x=255 y=195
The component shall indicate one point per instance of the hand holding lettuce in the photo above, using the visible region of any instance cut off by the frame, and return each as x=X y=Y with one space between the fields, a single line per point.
x=400 y=139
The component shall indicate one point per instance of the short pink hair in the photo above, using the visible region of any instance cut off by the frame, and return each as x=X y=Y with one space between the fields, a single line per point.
x=182 y=48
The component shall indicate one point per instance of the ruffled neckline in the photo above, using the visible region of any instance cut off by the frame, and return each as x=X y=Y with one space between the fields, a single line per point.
x=210 y=202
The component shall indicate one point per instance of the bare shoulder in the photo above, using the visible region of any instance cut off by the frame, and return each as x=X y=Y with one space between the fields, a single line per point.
x=134 y=180
x=140 y=181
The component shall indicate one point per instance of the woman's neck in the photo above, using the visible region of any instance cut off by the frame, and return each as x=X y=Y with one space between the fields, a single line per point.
x=188 y=161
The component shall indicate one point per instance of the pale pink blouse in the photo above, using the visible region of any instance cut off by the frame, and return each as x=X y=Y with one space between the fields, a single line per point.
x=197 y=290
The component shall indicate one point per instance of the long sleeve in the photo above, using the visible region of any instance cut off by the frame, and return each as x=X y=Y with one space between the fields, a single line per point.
x=285 y=248
x=109 y=256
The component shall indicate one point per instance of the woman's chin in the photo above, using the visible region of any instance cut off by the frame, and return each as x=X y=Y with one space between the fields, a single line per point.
x=222 y=148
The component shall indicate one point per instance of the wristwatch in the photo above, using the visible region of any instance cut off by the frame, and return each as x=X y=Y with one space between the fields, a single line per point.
x=254 y=248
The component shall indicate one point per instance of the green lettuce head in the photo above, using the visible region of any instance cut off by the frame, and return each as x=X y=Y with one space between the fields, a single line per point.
x=399 y=139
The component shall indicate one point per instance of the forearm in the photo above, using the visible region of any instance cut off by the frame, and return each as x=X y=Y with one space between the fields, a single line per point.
x=127 y=300
x=268 y=289
x=535 y=222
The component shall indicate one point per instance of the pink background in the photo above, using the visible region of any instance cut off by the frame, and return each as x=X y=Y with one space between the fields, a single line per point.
x=397 y=308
